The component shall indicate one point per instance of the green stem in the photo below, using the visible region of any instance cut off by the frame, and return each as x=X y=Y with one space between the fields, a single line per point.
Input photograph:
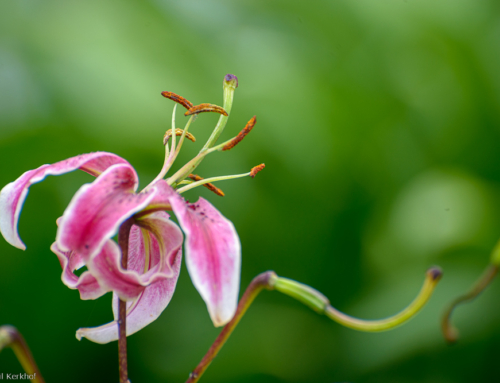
x=319 y=303
x=449 y=331
x=10 y=337
x=433 y=276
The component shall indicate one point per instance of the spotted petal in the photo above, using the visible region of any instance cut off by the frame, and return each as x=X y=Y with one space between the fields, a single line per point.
x=213 y=253
x=98 y=209
x=13 y=195
x=155 y=297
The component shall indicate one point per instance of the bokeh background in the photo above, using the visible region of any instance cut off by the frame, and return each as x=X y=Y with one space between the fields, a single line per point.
x=378 y=121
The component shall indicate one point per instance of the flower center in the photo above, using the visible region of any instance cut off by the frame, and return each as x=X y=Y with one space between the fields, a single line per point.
x=184 y=179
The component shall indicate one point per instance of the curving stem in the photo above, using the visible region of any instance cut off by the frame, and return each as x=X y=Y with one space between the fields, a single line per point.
x=450 y=333
x=319 y=303
x=260 y=282
x=10 y=337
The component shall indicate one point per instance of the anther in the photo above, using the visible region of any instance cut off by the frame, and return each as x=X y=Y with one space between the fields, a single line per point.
x=178 y=132
x=241 y=135
x=208 y=185
x=205 y=108
x=256 y=169
x=181 y=100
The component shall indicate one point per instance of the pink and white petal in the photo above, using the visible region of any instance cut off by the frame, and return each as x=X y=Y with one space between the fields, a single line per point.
x=213 y=251
x=163 y=192
x=98 y=209
x=213 y=256
x=87 y=284
x=146 y=309
x=149 y=255
x=12 y=196
x=164 y=238
x=136 y=251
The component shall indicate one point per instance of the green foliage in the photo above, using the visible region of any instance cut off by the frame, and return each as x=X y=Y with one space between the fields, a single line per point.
x=379 y=125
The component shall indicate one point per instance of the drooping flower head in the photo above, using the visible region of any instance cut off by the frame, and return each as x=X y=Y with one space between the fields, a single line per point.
x=112 y=204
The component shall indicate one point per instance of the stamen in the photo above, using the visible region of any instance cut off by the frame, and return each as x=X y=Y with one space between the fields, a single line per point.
x=208 y=185
x=175 y=97
x=229 y=85
x=203 y=181
x=172 y=146
x=178 y=132
x=170 y=155
x=241 y=135
x=206 y=108
x=256 y=169
x=183 y=182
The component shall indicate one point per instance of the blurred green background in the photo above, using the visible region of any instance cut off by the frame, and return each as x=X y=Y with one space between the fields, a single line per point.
x=378 y=121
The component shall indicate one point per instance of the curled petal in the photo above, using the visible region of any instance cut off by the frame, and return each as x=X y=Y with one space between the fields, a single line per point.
x=13 y=195
x=148 y=306
x=86 y=283
x=213 y=256
x=98 y=209
x=213 y=251
x=149 y=251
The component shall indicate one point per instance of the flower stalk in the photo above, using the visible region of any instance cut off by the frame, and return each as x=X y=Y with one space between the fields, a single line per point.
x=432 y=277
x=319 y=303
x=123 y=241
x=262 y=281
x=450 y=332
x=11 y=337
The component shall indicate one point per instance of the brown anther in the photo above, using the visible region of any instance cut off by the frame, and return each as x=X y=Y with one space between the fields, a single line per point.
x=179 y=99
x=208 y=185
x=178 y=132
x=241 y=135
x=205 y=108
x=256 y=169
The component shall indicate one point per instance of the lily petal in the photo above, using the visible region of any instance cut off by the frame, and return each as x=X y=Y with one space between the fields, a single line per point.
x=213 y=258
x=87 y=284
x=149 y=252
x=98 y=209
x=13 y=195
x=213 y=253
x=149 y=305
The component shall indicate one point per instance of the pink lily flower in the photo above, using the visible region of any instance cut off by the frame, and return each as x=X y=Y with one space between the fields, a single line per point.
x=98 y=210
